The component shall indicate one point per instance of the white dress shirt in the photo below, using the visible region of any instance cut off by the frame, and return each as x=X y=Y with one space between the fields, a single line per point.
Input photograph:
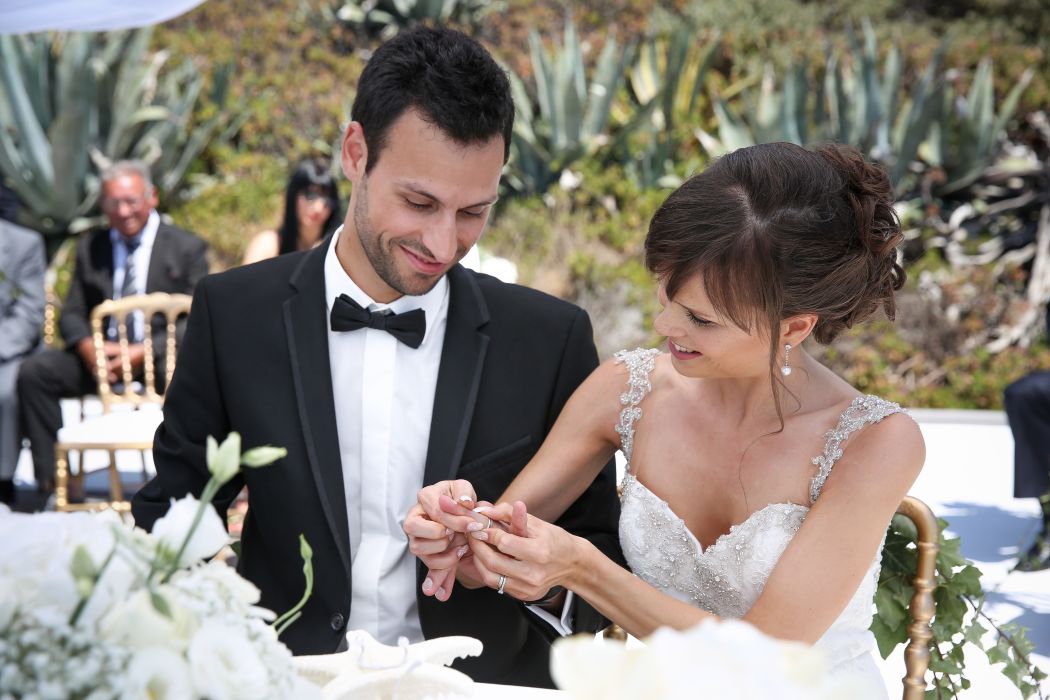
x=142 y=256
x=384 y=397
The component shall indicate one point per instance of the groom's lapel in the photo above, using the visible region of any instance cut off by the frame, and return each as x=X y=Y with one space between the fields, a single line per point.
x=306 y=326
x=459 y=376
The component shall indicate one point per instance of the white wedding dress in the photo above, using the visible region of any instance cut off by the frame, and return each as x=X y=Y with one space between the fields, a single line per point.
x=728 y=577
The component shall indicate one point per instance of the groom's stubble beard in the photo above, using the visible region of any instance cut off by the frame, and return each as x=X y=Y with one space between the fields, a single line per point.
x=382 y=255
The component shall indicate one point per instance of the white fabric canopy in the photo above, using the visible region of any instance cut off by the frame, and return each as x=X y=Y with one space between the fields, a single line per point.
x=23 y=16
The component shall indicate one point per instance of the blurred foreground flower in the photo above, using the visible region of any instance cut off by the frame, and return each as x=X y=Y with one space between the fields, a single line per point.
x=729 y=659
x=95 y=608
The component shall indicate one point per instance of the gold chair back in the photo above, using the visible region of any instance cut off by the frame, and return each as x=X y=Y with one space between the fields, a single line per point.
x=123 y=312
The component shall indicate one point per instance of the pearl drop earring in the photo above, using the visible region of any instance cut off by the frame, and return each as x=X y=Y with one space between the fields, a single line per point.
x=786 y=369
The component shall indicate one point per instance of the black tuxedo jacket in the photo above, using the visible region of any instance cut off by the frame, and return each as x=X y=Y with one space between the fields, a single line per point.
x=255 y=360
x=177 y=262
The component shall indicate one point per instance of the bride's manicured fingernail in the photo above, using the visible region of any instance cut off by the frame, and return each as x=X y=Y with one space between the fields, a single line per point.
x=481 y=536
x=461 y=551
x=482 y=509
x=466 y=499
x=475 y=526
x=441 y=594
x=448 y=532
x=427 y=585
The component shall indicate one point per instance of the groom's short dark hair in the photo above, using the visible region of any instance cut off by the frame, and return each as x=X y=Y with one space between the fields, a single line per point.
x=449 y=78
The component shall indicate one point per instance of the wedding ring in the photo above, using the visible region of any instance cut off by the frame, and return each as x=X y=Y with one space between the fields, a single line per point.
x=502 y=583
x=489 y=524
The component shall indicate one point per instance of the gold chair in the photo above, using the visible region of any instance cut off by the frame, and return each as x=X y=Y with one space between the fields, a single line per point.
x=921 y=608
x=129 y=416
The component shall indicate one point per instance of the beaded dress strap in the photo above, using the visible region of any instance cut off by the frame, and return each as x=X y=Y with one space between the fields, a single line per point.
x=640 y=363
x=862 y=411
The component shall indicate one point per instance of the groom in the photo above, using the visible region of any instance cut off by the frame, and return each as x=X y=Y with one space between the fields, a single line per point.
x=382 y=366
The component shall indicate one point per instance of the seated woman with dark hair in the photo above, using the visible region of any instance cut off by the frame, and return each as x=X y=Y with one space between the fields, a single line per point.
x=311 y=212
x=759 y=484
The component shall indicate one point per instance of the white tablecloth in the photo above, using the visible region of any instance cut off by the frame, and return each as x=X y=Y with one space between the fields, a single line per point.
x=487 y=691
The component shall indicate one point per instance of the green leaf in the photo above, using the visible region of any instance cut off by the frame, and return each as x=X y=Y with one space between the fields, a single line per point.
x=974 y=634
x=968 y=581
x=996 y=655
x=160 y=604
x=951 y=610
x=262 y=456
x=887 y=637
x=904 y=526
x=889 y=608
x=949 y=556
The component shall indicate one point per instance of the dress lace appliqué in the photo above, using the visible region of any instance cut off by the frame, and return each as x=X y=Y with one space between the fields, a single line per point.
x=729 y=576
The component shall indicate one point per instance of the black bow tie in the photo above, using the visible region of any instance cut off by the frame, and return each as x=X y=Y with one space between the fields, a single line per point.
x=408 y=327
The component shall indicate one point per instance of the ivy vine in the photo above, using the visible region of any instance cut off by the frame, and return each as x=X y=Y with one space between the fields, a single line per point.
x=959 y=622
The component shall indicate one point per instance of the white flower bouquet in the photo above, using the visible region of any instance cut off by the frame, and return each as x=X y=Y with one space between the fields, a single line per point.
x=729 y=659
x=94 y=609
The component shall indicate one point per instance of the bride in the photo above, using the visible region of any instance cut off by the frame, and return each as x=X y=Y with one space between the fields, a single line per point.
x=759 y=484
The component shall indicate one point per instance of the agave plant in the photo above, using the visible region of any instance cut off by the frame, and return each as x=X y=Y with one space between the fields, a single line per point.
x=568 y=115
x=967 y=137
x=387 y=17
x=666 y=80
x=73 y=103
x=854 y=102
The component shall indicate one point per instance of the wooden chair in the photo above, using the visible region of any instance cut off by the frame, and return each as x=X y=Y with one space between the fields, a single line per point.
x=130 y=407
x=921 y=608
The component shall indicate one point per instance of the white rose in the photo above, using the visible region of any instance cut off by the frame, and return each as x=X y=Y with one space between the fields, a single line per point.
x=137 y=624
x=158 y=674
x=225 y=665
x=173 y=529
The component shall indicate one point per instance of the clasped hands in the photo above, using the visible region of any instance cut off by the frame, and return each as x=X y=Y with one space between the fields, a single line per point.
x=480 y=544
x=111 y=349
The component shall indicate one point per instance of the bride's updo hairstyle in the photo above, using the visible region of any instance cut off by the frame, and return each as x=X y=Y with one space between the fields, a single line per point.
x=777 y=230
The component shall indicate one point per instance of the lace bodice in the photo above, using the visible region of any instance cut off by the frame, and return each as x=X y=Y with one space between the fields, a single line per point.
x=728 y=577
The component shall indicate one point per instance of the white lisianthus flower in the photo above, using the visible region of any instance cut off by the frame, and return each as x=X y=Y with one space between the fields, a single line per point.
x=171 y=530
x=158 y=674
x=227 y=579
x=137 y=624
x=224 y=664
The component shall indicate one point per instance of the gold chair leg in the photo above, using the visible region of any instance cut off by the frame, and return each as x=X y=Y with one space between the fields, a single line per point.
x=917 y=653
x=61 y=478
x=116 y=491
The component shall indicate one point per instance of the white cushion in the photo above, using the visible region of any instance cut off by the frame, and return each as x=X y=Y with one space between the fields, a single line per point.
x=109 y=428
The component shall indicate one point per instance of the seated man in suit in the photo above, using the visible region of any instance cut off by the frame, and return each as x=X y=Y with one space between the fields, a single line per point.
x=382 y=365
x=1028 y=409
x=138 y=254
x=22 y=267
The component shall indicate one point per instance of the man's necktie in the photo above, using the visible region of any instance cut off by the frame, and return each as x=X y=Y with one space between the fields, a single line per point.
x=408 y=327
x=127 y=287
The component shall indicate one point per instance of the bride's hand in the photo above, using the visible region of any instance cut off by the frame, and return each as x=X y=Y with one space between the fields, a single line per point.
x=533 y=555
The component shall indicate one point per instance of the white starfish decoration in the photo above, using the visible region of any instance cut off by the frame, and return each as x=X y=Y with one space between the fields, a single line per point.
x=369 y=670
